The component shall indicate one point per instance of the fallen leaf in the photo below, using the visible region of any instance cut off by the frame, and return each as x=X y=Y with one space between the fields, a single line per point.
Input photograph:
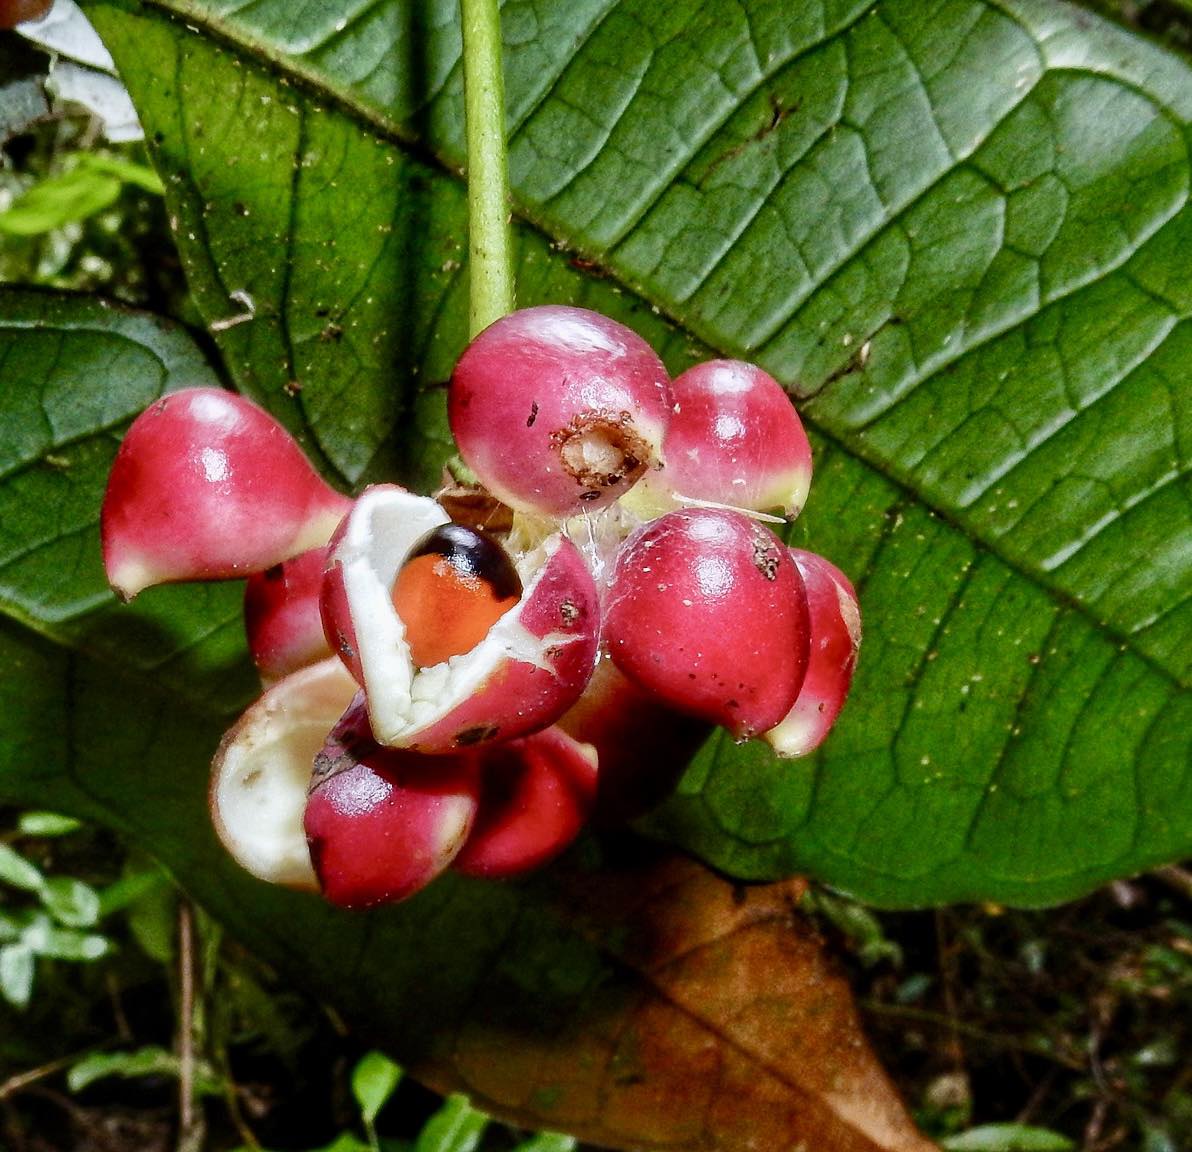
x=719 y=1024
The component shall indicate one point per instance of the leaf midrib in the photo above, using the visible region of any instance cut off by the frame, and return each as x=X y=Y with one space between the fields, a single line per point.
x=220 y=31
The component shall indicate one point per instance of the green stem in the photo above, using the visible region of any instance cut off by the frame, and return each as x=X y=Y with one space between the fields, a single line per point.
x=490 y=269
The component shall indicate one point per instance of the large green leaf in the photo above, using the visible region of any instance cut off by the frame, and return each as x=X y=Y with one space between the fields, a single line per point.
x=958 y=231
x=599 y=997
x=73 y=373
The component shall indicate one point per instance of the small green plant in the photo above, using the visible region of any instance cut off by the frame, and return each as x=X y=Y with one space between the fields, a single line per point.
x=91 y=184
x=43 y=916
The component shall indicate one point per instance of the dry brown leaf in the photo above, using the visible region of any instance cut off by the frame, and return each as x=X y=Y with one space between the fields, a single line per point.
x=717 y=1023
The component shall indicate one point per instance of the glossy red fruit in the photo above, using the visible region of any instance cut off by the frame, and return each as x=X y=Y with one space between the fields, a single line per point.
x=835 y=642
x=734 y=439
x=382 y=823
x=207 y=486
x=536 y=795
x=281 y=615
x=642 y=745
x=707 y=610
x=559 y=409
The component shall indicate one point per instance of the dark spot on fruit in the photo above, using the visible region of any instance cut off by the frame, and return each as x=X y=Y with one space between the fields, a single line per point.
x=568 y=612
x=732 y=703
x=590 y=495
x=327 y=765
x=765 y=558
x=533 y=414
x=470 y=736
x=273 y=573
x=740 y=894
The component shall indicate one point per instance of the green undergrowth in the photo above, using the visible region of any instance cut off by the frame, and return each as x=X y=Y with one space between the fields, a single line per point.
x=1003 y=1029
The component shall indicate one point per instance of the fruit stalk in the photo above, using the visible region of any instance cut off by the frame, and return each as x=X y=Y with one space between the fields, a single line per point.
x=489 y=266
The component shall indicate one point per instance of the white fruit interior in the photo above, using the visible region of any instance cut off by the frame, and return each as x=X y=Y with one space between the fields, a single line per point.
x=593 y=451
x=261 y=772
x=404 y=699
x=800 y=731
x=850 y=613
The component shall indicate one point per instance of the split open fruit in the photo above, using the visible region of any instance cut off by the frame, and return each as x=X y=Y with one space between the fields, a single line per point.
x=438 y=696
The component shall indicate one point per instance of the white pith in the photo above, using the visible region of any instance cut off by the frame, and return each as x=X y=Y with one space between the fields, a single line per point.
x=850 y=612
x=404 y=699
x=132 y=576
x=455 y=822
x=593 y=451
x=799 y=732
x=261 y=772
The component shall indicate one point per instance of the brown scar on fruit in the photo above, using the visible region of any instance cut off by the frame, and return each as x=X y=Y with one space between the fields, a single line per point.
x=326 y=766
x=568 y=612
x=600 y=450
x=474 y=507
x=477 y=735
x=765 y=558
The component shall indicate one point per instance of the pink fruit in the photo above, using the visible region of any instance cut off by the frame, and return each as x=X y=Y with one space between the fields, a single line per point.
x=734 y=439
x=707 y=610
x=835 y=641
x=559 y=409
x=261 y=773
x=536 y=795
x=207 y=486
x=642 y=745
x=382 y=823
x=281 y=615
x=531 y=665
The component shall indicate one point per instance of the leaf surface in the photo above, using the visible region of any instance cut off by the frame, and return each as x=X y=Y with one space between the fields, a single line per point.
x=958 y=233
x=567 y=1002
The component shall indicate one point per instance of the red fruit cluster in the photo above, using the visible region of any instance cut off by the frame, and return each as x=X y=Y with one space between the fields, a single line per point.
x=437 y=697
